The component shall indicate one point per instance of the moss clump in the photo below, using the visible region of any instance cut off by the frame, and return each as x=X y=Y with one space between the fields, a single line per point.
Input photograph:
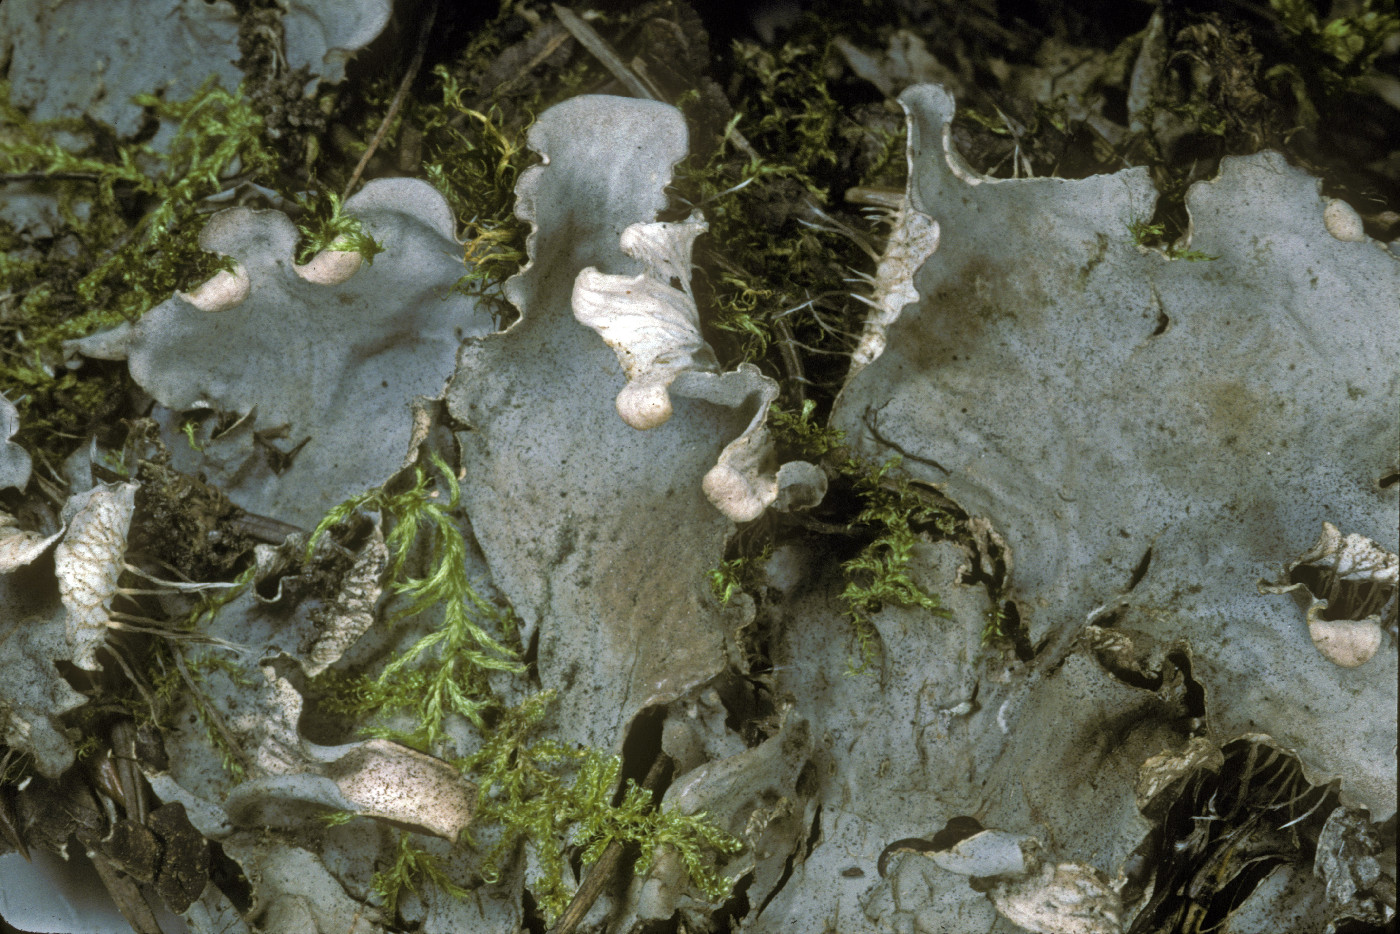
x=1343 y=48
x=878 y=576
x=445 y=672
x=891 y=517
x=465 y=133
x=411 y=868
x=532 y=791
x=525 y=791
x=774 y=268
x=176 y=681
x=1146 y=234
x=324 y=227
x=129 y=240
x=736 y=575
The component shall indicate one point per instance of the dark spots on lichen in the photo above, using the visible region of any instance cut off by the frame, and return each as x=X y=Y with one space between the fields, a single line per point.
x=1098 y=249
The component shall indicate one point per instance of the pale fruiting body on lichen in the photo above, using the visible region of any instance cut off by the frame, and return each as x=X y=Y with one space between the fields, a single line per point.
x=1334 y=560
x=331 y=267
x=222 y=291
x=652 y=326
x=384 y=779
x=1342 y=221
x=644 y=405
x=88 y=563
x=1346 y=642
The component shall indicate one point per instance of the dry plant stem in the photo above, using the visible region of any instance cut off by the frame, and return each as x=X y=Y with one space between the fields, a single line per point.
x=588 y=37
x=52 y=177
x=9 y=820
x=215 y=719
x=264 y=529
x=791 y=362
x=137 y=681
x=603 y=52
x=9 y=826
x=125 y=763
x=126 y=894
x=396 y=104
x=876 y=197
x=603 y=869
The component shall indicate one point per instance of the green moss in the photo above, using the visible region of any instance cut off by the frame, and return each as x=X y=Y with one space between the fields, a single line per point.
x=892 y=518
x=471 y=146
x=736 y=575
x=188 y=428
x=1344 y=47
x=801 y=433
x=124 y=261
x=997 y=627
x=763 y=262
x=445 y=672
x=324 y=227
x=878 y=576
x=532 y=791
x=549 y=796
x=1155 y=236
x=412 y=867
x=172 y=690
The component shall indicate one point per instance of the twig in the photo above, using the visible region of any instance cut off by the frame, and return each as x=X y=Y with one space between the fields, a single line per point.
x=54 y=177
x=9 y=819
x=264 y=528
x=211 y=716
x=138 y=682
x=397 y=103
x=588 y=37
x=791 y=362
x=603 y=869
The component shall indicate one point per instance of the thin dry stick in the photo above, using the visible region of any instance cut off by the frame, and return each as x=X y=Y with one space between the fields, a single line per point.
x=588 y=37
x=602 y=870
x=791 y=362
x=54 y=177
x=396 y=104
x=212 y=716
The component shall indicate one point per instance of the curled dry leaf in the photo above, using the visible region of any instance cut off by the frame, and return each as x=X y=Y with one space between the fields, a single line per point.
x=1069 y=898
x=14 y=460
x=88 y=563
x=18 y=546
x=1351 y=583
x=652 y=325
x=651 y=322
